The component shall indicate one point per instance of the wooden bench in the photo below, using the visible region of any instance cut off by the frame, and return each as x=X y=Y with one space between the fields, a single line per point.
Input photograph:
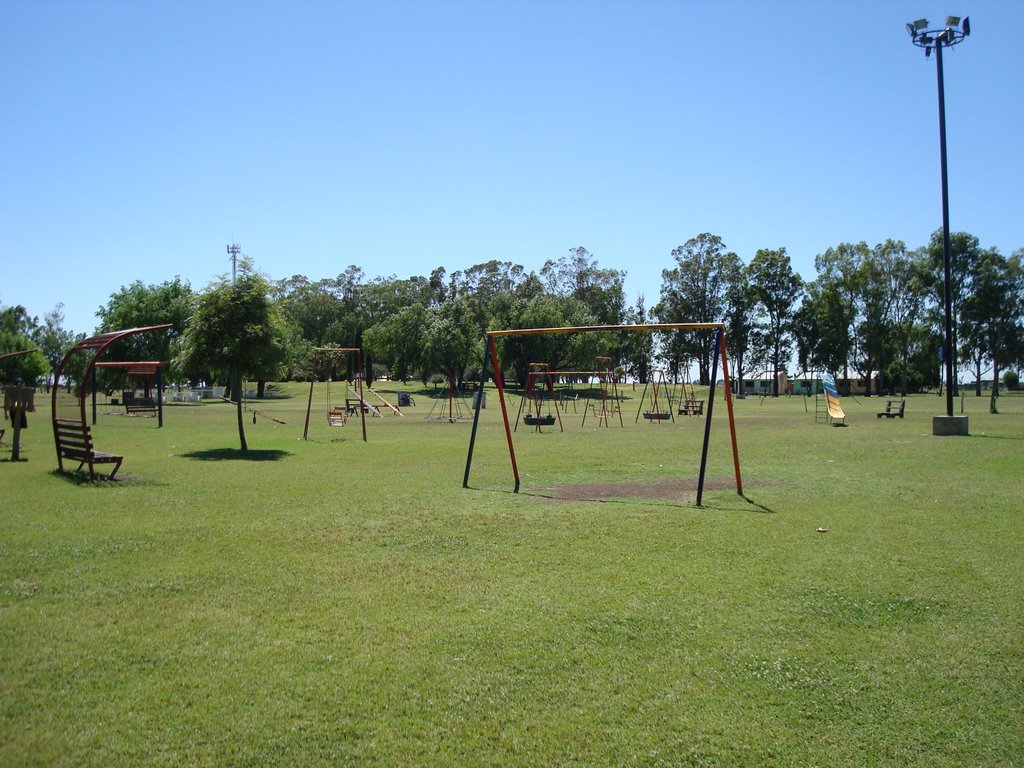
x=692 y=408
x=144 y=405
x=74 y=441
x=891 y=412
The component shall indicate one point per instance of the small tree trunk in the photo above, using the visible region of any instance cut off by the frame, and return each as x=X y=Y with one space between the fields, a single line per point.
x=995 y=389
x=236 y=387
x=905 y=385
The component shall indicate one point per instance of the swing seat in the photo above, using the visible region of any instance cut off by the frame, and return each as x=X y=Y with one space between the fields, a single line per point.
x=337 y=417
x=544 y=421
x=656 y=416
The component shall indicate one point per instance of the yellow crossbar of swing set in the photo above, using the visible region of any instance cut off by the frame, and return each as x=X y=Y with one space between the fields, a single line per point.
x=610 y=328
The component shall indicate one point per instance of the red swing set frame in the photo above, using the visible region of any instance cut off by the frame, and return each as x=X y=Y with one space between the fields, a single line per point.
x=491 y=356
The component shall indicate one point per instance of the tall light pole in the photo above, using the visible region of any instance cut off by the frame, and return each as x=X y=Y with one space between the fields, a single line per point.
x=936 y=39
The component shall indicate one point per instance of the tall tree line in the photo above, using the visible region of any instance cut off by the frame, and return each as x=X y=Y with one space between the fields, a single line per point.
x=869 y=311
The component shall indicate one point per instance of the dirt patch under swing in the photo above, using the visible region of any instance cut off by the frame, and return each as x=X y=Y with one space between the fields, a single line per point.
x=672 y=489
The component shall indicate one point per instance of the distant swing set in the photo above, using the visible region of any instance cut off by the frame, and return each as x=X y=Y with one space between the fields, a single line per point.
x=661 y=397
x=337 y=415
x=542 y=375
x=448 y=407
x=490 y=357
x=609 y=402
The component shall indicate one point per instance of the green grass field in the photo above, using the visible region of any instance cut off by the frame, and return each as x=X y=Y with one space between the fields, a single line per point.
x=333 y=602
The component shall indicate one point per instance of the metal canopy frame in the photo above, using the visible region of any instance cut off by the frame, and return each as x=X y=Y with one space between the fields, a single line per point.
x=491 y=354
x=97 y=345
x=136 y=368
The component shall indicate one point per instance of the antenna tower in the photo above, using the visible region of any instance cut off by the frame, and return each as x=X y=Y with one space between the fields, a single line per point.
x=233 y=250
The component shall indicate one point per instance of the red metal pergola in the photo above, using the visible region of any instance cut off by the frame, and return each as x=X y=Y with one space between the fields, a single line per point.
x=136 y=368
x=96 y=346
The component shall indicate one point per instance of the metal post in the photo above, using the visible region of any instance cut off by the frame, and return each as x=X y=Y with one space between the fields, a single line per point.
x=707 y=420
x=946 y=247
x=476 y=416
x=159 y=398
x=362 y=401
x=952 y=34
x=309 y=405
x=727 y=388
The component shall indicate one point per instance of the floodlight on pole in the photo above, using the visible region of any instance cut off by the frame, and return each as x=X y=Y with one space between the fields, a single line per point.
x=952 y=34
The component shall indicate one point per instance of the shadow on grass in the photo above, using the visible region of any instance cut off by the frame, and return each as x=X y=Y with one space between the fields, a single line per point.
x=633 y=501
x=753 y=503
x=234 y=454
x=81 y=477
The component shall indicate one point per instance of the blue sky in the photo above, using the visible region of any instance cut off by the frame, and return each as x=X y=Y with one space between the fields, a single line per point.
x=140 y=138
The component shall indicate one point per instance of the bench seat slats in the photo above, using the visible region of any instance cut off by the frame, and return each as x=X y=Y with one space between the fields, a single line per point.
x=74 y=441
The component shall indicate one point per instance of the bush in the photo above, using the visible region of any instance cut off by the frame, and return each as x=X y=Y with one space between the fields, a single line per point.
x=1011 y=380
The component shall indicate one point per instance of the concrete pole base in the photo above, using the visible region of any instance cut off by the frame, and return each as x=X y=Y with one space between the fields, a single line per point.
x=949 y=425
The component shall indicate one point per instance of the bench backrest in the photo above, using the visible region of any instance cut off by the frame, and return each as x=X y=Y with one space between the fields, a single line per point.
x=72 y=436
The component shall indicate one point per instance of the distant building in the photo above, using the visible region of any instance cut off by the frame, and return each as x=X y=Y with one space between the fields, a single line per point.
x=806 y=384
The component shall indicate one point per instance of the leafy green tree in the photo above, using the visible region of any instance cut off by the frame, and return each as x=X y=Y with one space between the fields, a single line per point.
x=562 y=351
x=696 y=290
x=835 y=297
x=17 y=329
x=882 y=293
x=996 y=309
x=965 y=252
x=777 y=288
x=579 y=276
x=138 y=305
x=822 y=330
x=235 y=332
x=312 y=307
x=483 y=284
x=910 y=281
x=636 y=348
x=740 y=322
x=53 y=340
x=398 y=341
x=450 y=340
x=488 y=279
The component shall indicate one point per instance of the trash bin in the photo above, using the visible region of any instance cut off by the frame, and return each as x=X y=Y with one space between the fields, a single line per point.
x=404 y=400
x=480 y=395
